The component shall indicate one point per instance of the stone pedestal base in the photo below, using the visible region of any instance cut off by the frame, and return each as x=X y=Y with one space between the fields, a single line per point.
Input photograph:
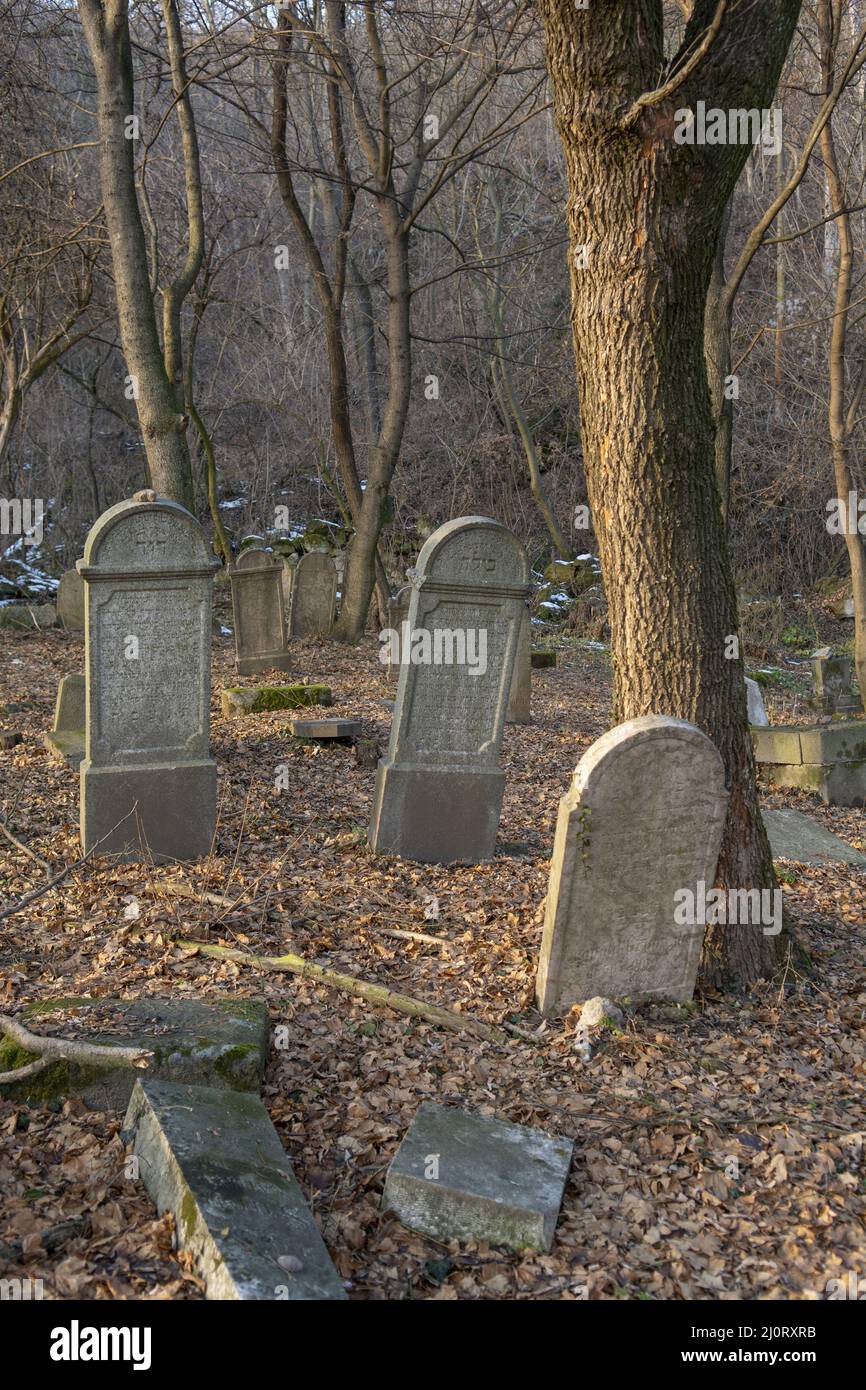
x=174 y=816
x=436 y=815
x=252 y=665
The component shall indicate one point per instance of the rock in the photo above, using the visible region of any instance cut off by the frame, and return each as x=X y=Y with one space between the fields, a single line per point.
x=9 y=739
x=258 y=699
x=459 y=1176
x=32 y=616
x=215 y=1161
x=367 y=754
x=600 y=1012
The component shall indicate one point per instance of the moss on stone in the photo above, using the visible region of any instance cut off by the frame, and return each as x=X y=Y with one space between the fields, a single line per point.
x=263 y=698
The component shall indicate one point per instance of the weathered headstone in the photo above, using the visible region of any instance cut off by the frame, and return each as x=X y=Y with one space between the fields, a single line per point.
x=439 y=789
x=314 y=595
x=757 y=715
x=836 y=688
x=795 y=836
x=215 y=1161
x=70 y=600
x=641 y=821
x=65 y=742
x=521 y=681
x=492 y=1181
x=148 y=782
x=261 y=635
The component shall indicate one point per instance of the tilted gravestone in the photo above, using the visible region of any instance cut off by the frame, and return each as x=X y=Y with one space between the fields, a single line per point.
x=148 y=782
x=314 y=595
x=836 y=688
x=261 y=631
x=439 y=789
x=521 y=681
x=70 y=600
x=65 y=742
x=641 y=822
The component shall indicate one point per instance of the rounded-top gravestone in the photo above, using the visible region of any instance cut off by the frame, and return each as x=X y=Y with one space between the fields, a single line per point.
x=259 y=614
x=439 y=789
x=148 y=782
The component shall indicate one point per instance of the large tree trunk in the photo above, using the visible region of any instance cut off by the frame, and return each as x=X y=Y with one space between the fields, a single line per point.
x=650 y=211
x=163 y=425
x=717 y=351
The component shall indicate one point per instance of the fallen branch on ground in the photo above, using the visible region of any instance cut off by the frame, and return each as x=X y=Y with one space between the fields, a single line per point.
x=50 y=1050
x=363 y=989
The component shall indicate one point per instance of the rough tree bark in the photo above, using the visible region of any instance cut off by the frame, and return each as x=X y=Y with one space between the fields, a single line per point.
x=163 y=423
x=649 y=212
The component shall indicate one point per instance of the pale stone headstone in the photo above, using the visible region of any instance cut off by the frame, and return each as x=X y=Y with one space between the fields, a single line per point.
x=261 y=635
x=755 y=702
x=148 y=782
x=521 y=681
x=314 y=595
x=70 y=600
x=641 y=822
x=439 y=789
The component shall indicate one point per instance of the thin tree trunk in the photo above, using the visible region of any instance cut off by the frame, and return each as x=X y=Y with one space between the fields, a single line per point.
x=163 y=425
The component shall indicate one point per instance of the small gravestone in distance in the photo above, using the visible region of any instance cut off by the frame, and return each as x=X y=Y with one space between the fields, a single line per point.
x=70 y=601
x=641 y=822
x=314 y=595
x=439 y=789
x=836 y=688
x=757 y=715
x=148 y=782
x=65 y=742
x=521 y=681
x=259 y=615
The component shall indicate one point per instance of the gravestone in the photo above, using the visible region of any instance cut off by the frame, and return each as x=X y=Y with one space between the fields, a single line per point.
x=148 y=782
x=836 y=688
x=70 y=600
x=439 y=789
x=397 y=613
x=521 y=681
x=65 y=742
x=641 y=821
x=757 y=715
x=259 y=615
x=314 y=595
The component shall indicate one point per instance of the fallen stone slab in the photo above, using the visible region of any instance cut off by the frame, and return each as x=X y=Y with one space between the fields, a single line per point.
x=220 y=1043
x=316 y=729
x=796 y=836
x=259 y=699
x=32 y=616
x=459 y=1176
x=215 y=1161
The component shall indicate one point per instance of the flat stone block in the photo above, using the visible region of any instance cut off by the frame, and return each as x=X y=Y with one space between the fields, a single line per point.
x=540 y=660
x=842 y=742
x=214 y=1159
x=458 y=1176
x=436 y=815
x=796 y=836
x=66 y=746
x=211 y=1042
x=325 y=728
x=780 y=744
x=258 y=699
x=174 y=816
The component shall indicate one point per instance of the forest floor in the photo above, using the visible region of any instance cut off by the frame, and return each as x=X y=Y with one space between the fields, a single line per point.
x=718 y=1145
